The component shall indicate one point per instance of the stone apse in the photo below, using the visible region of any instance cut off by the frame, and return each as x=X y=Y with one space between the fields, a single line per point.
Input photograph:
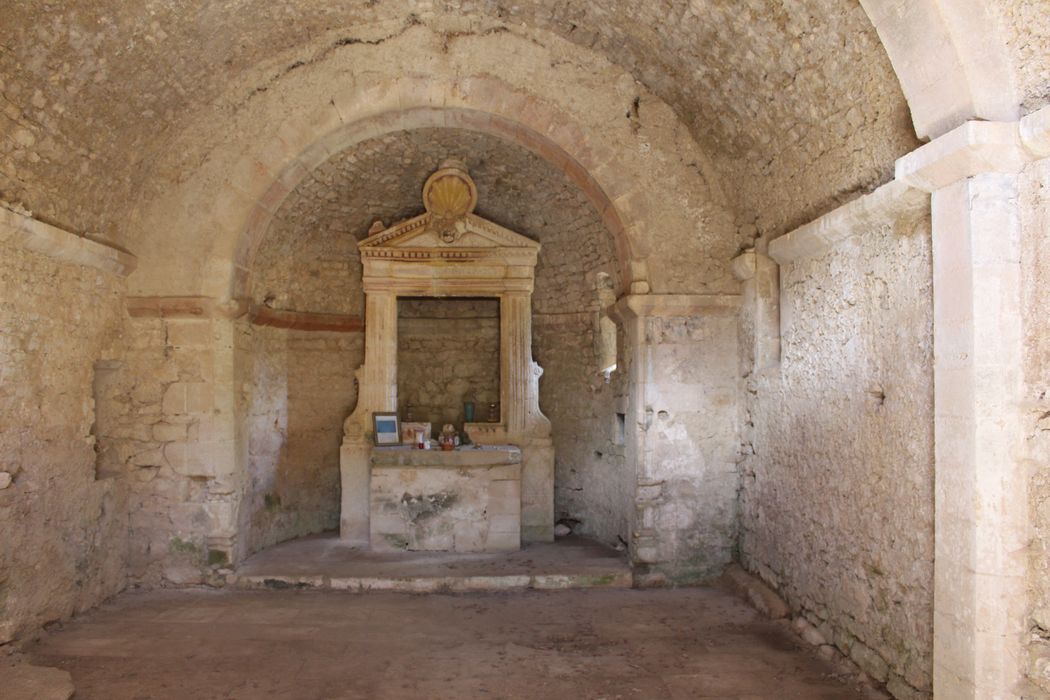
x=448 y=251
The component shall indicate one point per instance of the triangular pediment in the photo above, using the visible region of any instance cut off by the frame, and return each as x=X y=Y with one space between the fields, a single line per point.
x=468 y=232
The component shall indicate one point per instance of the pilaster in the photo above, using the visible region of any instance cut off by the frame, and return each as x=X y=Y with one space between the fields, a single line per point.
x=681 y=434
x=376 y=391
x=515 y=359
x=981 y=516
x=760 y=306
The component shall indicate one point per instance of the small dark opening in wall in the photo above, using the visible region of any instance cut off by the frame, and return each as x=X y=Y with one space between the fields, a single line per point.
x=621 y=428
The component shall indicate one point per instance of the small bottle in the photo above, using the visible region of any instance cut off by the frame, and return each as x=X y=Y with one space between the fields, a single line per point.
x=420 y=440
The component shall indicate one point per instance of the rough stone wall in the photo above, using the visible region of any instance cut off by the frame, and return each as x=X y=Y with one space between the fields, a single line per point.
x=837 y=495
x=808 y=113
x=300 y=386
x=593 y=485
x=447 y=352
x=63 y=531
x=1028 y=39
x=1035 y=275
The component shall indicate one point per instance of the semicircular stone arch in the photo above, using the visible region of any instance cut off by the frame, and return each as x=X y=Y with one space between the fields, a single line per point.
x=658 y=187
x=426 y=118
x=960 y=71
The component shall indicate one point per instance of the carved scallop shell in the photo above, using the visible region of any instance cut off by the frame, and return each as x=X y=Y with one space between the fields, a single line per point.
x=449 y=197
x=449 y=194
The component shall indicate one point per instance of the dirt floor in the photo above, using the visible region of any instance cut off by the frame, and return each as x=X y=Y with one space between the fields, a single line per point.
x=591 y=644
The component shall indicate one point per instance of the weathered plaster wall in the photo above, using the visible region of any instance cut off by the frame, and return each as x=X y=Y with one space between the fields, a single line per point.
x=837 y=493
x=63 y=531
x=172 y=431
x=1035 y=275
x=686 y=523
x=593 y=484
x=301 y=385
x=447 y=353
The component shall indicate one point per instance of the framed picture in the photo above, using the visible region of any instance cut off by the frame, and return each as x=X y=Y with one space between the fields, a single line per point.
x=387 y=428
x=408 y=431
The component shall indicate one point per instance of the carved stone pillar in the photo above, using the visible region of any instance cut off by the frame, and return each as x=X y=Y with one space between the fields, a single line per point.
x=515 y=359
x=378 y=376
x=525 y=423
x=376 y=391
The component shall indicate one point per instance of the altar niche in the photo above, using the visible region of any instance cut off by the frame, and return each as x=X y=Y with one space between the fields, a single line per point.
x=449 y=252
x=447 y=354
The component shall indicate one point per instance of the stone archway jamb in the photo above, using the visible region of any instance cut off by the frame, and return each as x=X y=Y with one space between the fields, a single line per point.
x=959 y=70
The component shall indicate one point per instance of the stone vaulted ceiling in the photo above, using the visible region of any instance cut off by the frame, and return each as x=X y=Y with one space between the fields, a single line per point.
x=92 y=92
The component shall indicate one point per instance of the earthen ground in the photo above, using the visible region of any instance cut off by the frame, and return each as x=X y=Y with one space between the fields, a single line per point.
x=667 y=644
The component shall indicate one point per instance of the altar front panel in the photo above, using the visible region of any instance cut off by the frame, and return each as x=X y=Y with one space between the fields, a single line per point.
x=467 y=500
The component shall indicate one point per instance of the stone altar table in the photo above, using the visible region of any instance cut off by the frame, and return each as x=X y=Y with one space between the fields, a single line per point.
x=464 y=500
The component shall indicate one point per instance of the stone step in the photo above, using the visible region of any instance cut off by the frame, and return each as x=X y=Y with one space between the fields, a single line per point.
x=433 y=584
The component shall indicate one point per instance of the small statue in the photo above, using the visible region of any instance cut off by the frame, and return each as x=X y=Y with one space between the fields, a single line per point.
x=448 y=438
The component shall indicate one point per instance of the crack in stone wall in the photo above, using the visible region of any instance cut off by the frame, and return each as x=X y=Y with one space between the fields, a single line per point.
x=798 y=93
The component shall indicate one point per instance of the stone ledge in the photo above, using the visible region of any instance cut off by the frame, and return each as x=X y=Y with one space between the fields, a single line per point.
x=306 y=320
x=878 y=208
x=759 y=594
x=977 y=147
x=188 y=307
x=65 y=246
x=973 y=148
x=170 y=307
x=670 y=305
x=486 y=456
x=435 y=584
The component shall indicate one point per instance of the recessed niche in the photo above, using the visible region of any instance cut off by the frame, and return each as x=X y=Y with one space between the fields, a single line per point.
x=447 y=353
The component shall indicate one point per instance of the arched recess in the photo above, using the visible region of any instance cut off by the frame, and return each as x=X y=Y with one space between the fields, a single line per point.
x=950 y=58
x=654 y=186
x=347 y=135
x=207 y=211
x=258 y=183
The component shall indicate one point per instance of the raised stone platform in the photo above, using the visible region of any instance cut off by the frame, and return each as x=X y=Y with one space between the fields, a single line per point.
x=326 y=562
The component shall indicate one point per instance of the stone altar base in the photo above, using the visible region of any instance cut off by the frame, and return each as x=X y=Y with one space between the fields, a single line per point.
x=326 y=562
x=466 y=500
